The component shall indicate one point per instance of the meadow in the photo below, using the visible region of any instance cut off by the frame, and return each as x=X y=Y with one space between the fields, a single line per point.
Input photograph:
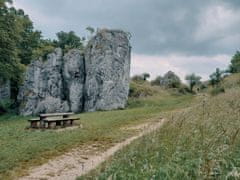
x=22 y=148
x=199 y=142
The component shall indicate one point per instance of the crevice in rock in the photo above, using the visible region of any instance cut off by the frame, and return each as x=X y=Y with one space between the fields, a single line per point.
x=84 y=84
x=65 y=90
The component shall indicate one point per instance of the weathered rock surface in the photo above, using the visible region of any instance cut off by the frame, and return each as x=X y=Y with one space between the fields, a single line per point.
x=96 y=80
x=43 y=86
x=5 y=90
x=74 y=79
x=107 y=71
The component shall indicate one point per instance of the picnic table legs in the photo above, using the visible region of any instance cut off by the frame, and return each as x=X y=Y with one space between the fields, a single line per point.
x=35 y=124
x=52 y=125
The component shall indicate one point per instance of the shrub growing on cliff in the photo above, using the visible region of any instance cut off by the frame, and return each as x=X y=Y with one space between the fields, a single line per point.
x=68 y=40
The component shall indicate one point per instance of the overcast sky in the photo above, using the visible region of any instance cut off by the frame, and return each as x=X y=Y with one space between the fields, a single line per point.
x=184 y=36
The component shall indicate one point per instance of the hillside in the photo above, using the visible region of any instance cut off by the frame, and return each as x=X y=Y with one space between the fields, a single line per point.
x=200 y=142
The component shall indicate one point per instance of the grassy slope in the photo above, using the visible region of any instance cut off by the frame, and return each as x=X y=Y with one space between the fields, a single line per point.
x=22 y=148
x=201 y=142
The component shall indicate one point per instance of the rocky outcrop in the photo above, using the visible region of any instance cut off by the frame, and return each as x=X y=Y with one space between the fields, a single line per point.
x=95 y=80
x=43 y=87
x=5 y=90
x=74 y=79
x=107 y=71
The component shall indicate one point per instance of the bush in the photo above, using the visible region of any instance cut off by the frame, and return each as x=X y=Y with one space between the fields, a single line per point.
x=140 y=90
x=5 y=106
x=183 y=89
x=217 y=91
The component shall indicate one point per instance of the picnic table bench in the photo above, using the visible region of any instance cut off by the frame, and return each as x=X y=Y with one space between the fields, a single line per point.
x=53 y=120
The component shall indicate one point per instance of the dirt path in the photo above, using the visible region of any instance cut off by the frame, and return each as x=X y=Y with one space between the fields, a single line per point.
x=78 y=161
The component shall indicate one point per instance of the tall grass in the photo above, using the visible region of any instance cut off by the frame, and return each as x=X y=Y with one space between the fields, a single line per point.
x=201 y=142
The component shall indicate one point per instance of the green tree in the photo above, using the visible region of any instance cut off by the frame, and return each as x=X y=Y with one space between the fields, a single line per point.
x=45 y=47
x=10 y=66
x=68 y=40
x=145 y=76
x=90 y=29
x=30 y=39
x=156 y=81
x=193 y=80
x=216 y=77
x=235 y=63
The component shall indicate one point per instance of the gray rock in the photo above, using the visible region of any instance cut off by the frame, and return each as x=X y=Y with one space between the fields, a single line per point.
x=74 y=77
x=5 y=90
x=107 y=59
x=97 y=80
x=43 y=81
x=51 y=105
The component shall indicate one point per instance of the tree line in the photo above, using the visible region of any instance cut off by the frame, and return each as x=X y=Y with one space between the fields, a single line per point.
x=171 y=80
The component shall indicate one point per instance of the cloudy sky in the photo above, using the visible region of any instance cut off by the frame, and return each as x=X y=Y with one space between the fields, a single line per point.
x=184 y=36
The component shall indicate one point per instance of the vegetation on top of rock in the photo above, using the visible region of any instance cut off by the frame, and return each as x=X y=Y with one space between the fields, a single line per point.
x=68 y=40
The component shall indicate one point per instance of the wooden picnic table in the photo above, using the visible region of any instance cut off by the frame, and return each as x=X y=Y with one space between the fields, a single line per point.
x=52 y=120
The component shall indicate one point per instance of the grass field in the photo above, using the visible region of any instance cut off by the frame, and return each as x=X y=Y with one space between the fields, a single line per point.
x=200 y=142
x=21 y=148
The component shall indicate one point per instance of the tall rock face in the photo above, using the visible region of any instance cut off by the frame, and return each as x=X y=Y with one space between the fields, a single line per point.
x=43 y=87
x=96 y=80
x=5 y=90
x=74 y=78
x=107 y=59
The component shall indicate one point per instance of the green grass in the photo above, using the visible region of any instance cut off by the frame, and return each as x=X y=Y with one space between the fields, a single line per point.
x=200 y=142
x=21 y=148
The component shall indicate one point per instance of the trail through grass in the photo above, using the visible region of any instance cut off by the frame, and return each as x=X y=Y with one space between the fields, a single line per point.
x=21 y=148
x=200 y=142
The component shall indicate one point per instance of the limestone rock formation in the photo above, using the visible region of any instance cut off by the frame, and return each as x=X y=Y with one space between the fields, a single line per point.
x=107 y=60
x=74 y=78
x=43 y=86
x=96 y=80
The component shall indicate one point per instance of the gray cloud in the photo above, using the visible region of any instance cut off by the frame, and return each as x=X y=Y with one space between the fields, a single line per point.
x=158 y=27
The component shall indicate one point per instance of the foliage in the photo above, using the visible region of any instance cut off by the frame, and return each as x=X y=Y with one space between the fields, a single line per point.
x=30 y=39
x=90 y=29
x=145 y=76
x=216 y=77
x=235 y=63
x=18 y=40
x=140 y=90
x=5 y=106
x=138 y=78
x=156 y=81
x=9 y=38
x=193 y=80
x=68 y=40
x=141 y=78
x=45 y=47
